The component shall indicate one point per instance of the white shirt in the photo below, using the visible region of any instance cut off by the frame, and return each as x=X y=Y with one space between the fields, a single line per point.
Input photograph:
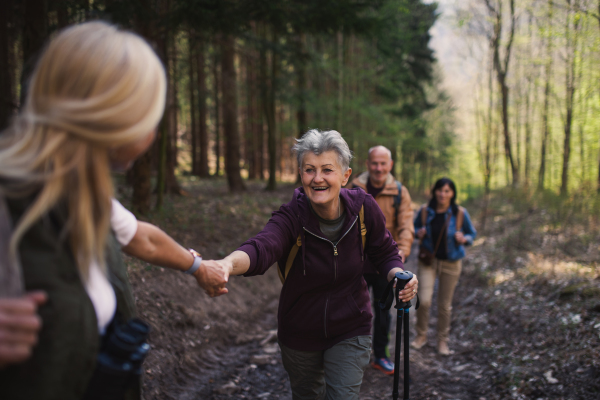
x=98 y=288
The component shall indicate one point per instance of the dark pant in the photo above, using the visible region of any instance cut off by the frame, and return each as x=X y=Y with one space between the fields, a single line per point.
x=332 y=374
x=380 y=338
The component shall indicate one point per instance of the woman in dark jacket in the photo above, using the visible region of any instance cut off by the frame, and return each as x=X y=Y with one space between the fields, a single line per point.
x=446 y=232
x=324 y=317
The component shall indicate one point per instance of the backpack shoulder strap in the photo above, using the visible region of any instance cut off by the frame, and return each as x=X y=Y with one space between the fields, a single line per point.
x=460 y=218
x=363 y=227
x=290 y=260
x=424 y=216
x=398 y=197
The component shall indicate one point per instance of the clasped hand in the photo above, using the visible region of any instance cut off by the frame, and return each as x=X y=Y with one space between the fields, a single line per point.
x=213 y=275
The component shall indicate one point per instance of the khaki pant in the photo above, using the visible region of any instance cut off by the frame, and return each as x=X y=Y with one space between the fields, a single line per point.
x=448 y=273
x=332 y=374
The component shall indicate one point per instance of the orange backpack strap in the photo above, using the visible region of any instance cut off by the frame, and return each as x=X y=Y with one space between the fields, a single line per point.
x=290 y=259
x=363 y=227
x=460 y=218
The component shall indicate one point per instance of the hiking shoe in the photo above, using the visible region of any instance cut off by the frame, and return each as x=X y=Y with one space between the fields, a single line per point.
x=443 y=348
x=419 y=342
x=384 y=365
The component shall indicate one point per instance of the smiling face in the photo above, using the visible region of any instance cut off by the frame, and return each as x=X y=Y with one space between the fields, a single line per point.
x=379 y=165
x=443 y=196
x=322 y=178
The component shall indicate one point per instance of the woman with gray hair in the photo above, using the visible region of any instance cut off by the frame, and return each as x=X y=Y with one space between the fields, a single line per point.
x=320 y=240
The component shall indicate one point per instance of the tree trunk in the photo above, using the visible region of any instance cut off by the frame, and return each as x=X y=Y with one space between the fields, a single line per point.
x=192 y=88
x=528 y=110
x=142 y=189
x=489 y=158
x=263 y=100
x=172 y=186
x=501 y=74
x=230 y=115
x=6 y=92
x=250 y=140
x=318 y=82
x=162 y=164
x=301 y=81
x=140 y=174
x=35 y=33
x=254 y=120
x=340 y=82
x=202 y=128
x=268 y=99
x=545 y=124
x=216 y=87
x=62 y=13
x=571 y=50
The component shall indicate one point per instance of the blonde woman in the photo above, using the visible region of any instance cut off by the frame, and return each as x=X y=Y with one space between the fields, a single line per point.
x=94 y=101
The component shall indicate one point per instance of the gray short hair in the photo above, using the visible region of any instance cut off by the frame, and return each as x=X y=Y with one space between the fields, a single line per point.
x=380 y=147
x=319 y=142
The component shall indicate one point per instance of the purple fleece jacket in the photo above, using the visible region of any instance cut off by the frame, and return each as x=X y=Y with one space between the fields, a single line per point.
x=324 y=299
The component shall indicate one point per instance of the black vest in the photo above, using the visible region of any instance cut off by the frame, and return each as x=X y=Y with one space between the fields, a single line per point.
x=64 y=359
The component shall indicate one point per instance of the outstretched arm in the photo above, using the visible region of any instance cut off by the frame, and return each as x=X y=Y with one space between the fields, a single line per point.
x=154 y=246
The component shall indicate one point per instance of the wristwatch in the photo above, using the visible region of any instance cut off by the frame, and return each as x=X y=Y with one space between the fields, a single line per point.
x=196 y=264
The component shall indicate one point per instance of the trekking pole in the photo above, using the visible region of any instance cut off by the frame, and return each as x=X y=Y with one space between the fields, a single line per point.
x=403 y=309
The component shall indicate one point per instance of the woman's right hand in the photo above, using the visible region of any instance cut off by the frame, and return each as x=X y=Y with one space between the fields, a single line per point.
x=19 y=327
x=421 y=233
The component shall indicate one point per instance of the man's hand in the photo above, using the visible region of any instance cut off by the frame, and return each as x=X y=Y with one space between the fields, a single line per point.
x=401 y=254
x=460 y=238
x=213 y=275
x=19 y=327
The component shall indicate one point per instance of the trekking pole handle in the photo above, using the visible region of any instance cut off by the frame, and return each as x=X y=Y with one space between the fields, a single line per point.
x=402 y=279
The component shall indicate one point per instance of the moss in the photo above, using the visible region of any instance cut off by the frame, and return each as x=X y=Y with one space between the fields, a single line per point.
x=590 y=291
x=570 y=290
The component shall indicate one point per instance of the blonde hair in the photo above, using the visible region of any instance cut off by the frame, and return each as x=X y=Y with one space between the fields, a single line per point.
x=95 y=88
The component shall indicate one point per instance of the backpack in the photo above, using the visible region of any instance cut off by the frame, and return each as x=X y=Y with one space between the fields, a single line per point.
x=283 y=272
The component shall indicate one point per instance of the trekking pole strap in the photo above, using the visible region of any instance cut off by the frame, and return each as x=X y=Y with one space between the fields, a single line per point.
x=385 y=303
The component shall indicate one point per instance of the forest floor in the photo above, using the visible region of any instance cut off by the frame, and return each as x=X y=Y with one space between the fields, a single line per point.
x=526 y=312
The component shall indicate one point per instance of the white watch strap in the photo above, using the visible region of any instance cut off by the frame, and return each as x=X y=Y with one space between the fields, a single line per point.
x=196 y=264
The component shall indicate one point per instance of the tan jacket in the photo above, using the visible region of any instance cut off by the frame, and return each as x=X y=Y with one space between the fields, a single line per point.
x=401 y=226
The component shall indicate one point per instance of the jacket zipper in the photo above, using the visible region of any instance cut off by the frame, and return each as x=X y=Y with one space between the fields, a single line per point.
x=335 y=254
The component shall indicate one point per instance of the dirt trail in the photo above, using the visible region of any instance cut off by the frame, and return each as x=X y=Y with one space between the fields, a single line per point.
x=505 y=339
